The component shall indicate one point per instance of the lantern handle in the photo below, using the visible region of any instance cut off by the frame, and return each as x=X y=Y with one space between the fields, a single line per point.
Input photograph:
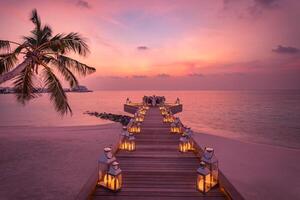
x=210 y=157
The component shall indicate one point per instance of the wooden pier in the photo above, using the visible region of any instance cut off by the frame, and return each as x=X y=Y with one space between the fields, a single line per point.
x=157 y=170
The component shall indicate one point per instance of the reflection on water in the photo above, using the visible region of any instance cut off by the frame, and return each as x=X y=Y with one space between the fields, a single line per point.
x=258 y=116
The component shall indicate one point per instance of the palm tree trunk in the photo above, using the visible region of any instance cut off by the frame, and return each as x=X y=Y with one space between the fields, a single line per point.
x=16 y=71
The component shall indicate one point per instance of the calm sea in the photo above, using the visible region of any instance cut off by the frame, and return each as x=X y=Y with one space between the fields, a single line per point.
x=270 y=117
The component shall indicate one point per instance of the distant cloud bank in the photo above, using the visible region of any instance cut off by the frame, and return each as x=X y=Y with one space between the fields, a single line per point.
x=84 y=4
x=142 y=48
x=286 y=50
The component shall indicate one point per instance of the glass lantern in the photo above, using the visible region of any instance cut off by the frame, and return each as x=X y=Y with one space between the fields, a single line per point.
x=163 y=110
x=203 y=178
x=139 y=117
x=211 y=161
x=131 y=142
x=190 y=143
x=142 y=111
x=134 y=128
x=113 y=178
x=128 y=143
x=168 y=118
x=124 y=135
x=103 y=165
x=183 y=144
x=145 y=107
x=175 y=128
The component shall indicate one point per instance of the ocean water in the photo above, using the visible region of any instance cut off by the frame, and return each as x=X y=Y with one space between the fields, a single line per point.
x=269 y=117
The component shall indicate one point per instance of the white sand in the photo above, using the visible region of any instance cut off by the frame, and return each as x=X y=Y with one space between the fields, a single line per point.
x=50 y=163
x=258 y=171
x=54 y=163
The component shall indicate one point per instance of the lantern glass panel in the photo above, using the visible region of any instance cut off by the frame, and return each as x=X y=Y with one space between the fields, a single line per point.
x=212 y=163
x=183 y=146
x=203 y=178
x=113 y=182
x=203 y=183
x=103 y=164
x=113 y=178
x=190 y=144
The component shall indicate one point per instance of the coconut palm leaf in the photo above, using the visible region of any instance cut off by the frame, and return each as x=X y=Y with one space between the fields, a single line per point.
x=36 y=20
x=57 y=94
x=24 y=85
x=45 y=34
x=4 y=45
x=7 y=61
x=78 y=67
x=71 y=42
x=66 y=73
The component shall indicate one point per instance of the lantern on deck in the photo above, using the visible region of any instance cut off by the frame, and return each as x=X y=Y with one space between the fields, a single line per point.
x=134 y=128
x=163 y=110
x=113 y=178
x=203 y=178
x=211 y=162
x=168 y=118
x=142 y=111
x=128 y=142
x=190 y=143
x=145 y=107
x=103 y=165
x=175 y=128
x=124 y=135
x=138 y=117
x=183 y=144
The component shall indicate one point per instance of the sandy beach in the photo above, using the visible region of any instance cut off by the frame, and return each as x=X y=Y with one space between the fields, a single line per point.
x=50 y=162
x=55 y=162
x=257 y=171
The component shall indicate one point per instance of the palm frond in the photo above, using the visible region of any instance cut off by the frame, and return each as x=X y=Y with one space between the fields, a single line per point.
x=72 y=64
x=45 y=35
x=7 y=62
x=57 y=94
x=24 y=85
x=35 y=18
x=30 y=40
x=71 y=42
x=4 y=45
x=66 y=73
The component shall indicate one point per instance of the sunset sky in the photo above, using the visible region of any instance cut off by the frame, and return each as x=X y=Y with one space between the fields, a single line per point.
x=175 y=44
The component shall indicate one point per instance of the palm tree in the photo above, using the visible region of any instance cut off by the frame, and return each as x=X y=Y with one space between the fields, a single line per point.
x=42 y=54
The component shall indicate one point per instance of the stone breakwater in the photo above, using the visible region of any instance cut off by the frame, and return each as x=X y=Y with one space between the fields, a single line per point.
x=123 y=119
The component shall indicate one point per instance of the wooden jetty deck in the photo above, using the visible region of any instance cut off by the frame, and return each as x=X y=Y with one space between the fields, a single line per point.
x=157 y=170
